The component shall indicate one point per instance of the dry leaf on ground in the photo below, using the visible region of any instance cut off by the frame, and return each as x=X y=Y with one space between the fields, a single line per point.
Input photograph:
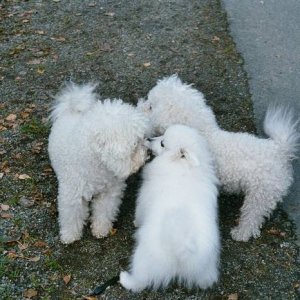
x=30 y=293
x=89 y=298
x=6 y=216
x=23 y=176
x=40 y=244
x=233 y=297
x=5 y=207
x=113 y=231
x=110 y=14
x=11 y=117
x=67 y=279
x=22 y=246
x=34 y=259
x=147 y=64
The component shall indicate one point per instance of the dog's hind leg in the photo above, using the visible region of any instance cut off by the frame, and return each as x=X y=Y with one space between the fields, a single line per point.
x=258 y=204
x=105 y=207
x=73 y=212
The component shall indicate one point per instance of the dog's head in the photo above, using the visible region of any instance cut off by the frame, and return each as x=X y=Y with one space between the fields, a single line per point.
x=180 y=143
x=119 y=141
x=171 y=102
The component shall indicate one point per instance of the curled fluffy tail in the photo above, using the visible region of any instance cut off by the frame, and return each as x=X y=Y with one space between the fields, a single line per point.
x=74 y=99
x=281 y=125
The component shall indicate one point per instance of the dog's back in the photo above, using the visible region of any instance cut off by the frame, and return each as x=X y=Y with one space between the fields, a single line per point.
x=178 y=236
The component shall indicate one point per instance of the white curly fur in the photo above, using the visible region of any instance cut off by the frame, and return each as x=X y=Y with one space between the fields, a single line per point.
x=93 y=146
x=178 y=236
x=260 y=168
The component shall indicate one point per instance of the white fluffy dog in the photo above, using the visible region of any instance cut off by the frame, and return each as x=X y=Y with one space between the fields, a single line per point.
x=178 y=236
x=260 y=168
x=93 y=146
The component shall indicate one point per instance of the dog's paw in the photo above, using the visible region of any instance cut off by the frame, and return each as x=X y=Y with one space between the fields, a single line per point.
x=101 y=229
x=242 y=235
x=67 y=238
x=128 y=282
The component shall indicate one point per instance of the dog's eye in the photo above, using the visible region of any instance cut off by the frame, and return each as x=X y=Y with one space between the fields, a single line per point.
x=150 y=107
x=162 y=144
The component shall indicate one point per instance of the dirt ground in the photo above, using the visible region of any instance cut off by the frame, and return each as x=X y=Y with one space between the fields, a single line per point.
x=125 y=46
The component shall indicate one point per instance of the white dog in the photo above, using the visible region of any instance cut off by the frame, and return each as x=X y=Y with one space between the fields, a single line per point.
x=178 y=236
x=260 y=168
x=93 y=146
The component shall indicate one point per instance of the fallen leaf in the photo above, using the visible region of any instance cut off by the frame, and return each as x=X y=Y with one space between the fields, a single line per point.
x=89 y=298
x=25 y=202
x=147 y=64
x=233 y=297
x=17 y=156
x=67 y=279
x=37 y=147
x=40 y=70
x=47 y=171
x=47 y=252
x=2 y=128
x=35 y=61
x=296 y=285
x=25 y=21
x=276 y=232
x=113 y=231
x=24 y=176
x=215 y=39
x=6 y=216
x=30 y=293
x=110 y=14
x=92 y=4
x=106 y=47
x=34 y=259
x=11 y=117
x=4 y=207
x=12 y=254
x=58 y=39
x=25 y=235
x=41 y=32
x=1 y=175
x=24 y=115
x=40 y=244
x=22 y=246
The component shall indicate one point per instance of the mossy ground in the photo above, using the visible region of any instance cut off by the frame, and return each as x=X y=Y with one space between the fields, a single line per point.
x=44 y=43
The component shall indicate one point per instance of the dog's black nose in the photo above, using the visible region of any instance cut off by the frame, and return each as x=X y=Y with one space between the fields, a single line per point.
x=149 y=140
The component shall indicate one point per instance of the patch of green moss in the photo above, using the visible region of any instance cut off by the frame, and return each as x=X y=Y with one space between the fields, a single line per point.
x=34 y=129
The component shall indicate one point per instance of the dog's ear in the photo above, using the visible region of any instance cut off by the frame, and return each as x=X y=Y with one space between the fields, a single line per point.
x=114 y=153
x=190 y=157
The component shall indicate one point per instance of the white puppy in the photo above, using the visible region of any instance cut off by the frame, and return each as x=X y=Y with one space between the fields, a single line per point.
x=260 y=168
x=178 y=236
x=93 y=146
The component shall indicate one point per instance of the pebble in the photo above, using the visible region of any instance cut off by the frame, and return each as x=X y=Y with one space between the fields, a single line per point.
x=25 y=202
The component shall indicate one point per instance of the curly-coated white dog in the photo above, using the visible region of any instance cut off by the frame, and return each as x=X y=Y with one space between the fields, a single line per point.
x=260 y=168
x=93 y=146
x=178 y=235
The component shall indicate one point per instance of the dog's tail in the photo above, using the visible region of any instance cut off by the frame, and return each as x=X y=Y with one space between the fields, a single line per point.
x=73 y=99
x=281 y=125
